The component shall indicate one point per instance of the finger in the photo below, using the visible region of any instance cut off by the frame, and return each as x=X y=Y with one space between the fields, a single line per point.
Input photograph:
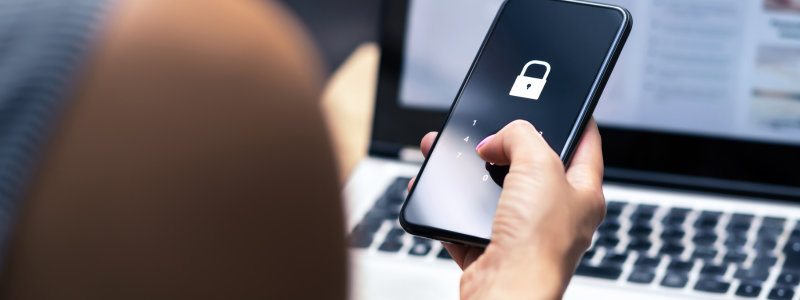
x=472 y=255
x=586 y=169
x=427 y=143
x=457 y=252
x=520 y=142
x=425 y=146
x=464 y=256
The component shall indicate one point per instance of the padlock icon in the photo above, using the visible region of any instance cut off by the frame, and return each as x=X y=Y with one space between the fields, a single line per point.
x=529 y=87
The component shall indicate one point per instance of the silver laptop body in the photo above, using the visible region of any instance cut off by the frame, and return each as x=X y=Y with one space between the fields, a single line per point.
x=701 y=128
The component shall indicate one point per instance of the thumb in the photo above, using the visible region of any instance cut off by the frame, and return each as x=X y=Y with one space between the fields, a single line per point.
x=519 y=142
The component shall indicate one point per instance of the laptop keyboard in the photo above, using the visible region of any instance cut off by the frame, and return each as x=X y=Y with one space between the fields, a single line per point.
x=384 y=215
x=706 y=251
x=710 y=252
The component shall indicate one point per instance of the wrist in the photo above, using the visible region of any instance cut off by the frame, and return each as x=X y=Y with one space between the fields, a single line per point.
x=536 y=274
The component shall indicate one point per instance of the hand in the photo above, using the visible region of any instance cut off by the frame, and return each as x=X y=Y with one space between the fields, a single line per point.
x=545 y=217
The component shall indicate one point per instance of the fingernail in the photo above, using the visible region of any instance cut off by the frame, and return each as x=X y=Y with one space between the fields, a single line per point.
x=484 y=141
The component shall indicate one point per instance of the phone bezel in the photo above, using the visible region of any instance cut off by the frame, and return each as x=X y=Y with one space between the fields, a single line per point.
x=569 y=149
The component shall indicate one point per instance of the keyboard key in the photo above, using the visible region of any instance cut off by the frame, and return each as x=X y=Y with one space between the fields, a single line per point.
x=735 y=257
x=773 y=222
x=735 y=248
x=705 y=238
x=735 y=241
x=742 y=218
x=644 y=213
x=765 y=260
x=792 y=251
x=642 y=217
x=391 y=245
x=605 y=272
x=707 y=220
x=646 y=208
x=712 y=270
x=639 y=245
x=753 y=273
x=771 y=226
x=614 y=208
x=371 y=224
x=680 y=266
x=640 y=230
x=588 y=254
x=403 y=182
x=397 y=191
x=769 y=231
x=679 y=211
x=710 y=214
x=642 y=276
x=607 y=241
x=748 y=290
x=395 y=233
x=421 y=246
x=615 y=259
x=740 y=228
x=706 y=223
x=704 y=252
x=382 y=203
x=419 y=240
x=795 y=235
x=781 y=293
x=393 y=211
x=712 y=286
x=419 y=249
x=609 y=226
x=739 y=223
x=676 y=280
x=676 y=216
x=672 y=220
x=672 y=233
x=788 y=278
x=765 y=243
x=647 y=262
x=444 y=254
x=393 y=241
x=671 y=249
x=376 y=213
x=361 y=238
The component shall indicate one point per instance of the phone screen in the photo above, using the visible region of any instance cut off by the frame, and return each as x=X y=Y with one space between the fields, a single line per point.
x=540 y=63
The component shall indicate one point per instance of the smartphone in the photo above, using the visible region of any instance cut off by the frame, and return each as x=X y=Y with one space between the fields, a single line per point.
x=544 y=61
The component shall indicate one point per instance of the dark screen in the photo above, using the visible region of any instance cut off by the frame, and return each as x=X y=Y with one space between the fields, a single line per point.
x=458 y=191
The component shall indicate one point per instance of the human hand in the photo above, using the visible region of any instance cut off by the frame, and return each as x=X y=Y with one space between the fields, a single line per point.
x=545 y=217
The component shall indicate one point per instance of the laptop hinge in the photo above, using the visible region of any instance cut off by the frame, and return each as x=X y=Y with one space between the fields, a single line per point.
x=396 y=151
x=385 y=149
x=411 y=154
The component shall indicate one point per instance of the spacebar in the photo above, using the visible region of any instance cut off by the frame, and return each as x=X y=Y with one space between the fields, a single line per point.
x=599 y=272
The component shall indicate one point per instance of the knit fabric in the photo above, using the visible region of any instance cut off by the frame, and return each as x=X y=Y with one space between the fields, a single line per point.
x=43 y=45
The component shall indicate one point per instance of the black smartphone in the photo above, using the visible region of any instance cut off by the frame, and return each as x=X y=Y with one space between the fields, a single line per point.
x=544 y=61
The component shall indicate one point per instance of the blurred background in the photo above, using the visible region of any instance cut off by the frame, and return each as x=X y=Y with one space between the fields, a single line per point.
x=338 y=26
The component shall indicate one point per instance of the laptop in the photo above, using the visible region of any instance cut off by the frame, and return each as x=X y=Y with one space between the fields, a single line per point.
x=701 y=138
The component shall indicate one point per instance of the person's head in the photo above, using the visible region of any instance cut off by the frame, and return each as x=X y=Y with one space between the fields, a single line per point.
x=191 y=161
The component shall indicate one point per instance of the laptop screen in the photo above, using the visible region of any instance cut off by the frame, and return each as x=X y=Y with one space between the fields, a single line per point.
x=706 y=94
x=718 y=68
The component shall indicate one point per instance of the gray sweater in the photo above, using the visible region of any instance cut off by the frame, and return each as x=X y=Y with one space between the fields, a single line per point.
x=43 y=44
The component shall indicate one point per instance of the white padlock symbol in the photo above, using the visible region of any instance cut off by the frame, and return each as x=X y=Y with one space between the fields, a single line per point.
x=529 y=87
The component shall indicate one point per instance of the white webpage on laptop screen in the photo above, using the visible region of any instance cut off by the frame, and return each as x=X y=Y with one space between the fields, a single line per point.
x=723 y=68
